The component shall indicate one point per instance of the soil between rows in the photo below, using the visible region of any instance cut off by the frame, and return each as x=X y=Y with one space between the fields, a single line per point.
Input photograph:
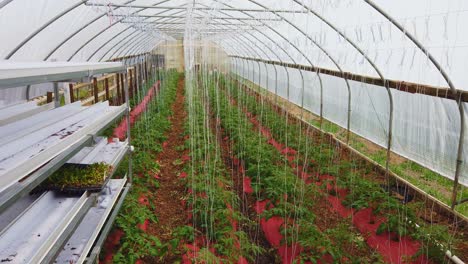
x=169 y=209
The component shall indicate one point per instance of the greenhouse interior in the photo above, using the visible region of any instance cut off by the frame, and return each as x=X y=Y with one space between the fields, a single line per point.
x=247 y=131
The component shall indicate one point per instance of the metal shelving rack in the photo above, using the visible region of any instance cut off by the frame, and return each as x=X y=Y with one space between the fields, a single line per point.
x=55 y=227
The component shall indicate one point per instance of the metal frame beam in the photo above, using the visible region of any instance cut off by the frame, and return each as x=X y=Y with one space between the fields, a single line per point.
x=199 y=8
x=373 y=65
x=201 y=17
x=184 y=23
x=106 y=28
x=454 y=91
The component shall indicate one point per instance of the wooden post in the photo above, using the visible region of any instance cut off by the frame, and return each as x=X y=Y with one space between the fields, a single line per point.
x=130 y=84
x=72 y=95
x=106 y=86
x=49 y=97
x=146 y=71
x=117 y=83
x=95 y=90
x=135 y=79
x=122 y=87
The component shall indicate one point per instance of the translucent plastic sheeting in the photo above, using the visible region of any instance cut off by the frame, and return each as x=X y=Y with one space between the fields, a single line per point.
x=72 y=31
x=426 y=129
x=77 y=30
x=438 y=25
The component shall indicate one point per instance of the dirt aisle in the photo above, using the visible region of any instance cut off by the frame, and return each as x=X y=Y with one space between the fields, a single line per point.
x=168 y=198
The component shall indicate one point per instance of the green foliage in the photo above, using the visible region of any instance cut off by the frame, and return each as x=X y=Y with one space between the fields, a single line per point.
x=147 y=137
x=363 y=193
x=76 y=176
x=214 y=204
x=272 y=178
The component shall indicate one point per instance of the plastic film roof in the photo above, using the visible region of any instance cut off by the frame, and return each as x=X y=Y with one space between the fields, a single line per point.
x=418 y=41
x=100 y=30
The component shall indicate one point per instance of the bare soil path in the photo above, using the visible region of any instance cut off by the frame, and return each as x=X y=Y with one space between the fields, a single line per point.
x=169 y=208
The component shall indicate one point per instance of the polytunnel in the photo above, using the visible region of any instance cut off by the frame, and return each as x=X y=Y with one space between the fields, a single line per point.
x=248 y=131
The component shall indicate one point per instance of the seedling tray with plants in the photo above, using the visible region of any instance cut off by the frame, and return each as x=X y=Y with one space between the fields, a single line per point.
x=76 y=178
x=89 y=170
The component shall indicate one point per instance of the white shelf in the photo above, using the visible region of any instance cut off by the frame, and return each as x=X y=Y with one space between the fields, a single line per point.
x=16 y=74
x=24 y=242
x=80 y=243
x=32 y=235
x=36 y=141
x=23 y=154
x=102 y=151
x=20 y=128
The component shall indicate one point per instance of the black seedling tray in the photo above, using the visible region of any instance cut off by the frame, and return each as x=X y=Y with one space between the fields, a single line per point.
x=71 y=189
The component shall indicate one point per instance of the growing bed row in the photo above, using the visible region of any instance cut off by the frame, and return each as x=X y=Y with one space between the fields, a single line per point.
x=386 y=221
x=213 y=206
x=284 y=200
x=129 y=242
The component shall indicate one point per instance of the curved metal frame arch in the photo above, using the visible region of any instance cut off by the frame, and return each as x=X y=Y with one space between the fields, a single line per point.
x=276 y=71
x=450 y=84
x=124 y=44
x=377 y=70
x=78 y=31
x=144 y=48
x=37 y=31
x=348 y=126
x=106 y=43
x=291 y=44
x=125 y=39
x=137 y=47
x=129 y=47
x=111 y=25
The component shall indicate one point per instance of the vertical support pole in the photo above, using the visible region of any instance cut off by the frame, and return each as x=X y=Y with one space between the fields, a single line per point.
x=459 y=153
x=56 y=95
x=28 y=89
x=106 y=86
x=348 y=125
x=276 y=86
x=127 y=101
x=321 y=99
x=287 y=80
x=72 y=95
x=117 y=85
x=302 y=94
x=135 y=80
x=95 y=90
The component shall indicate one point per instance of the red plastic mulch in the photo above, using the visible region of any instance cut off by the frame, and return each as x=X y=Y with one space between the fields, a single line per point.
x=247 y=185
x=143 y=200
x=144 y=226
x=112 y=242
x=121 y=130
x=392 y=251
x=183 y=175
